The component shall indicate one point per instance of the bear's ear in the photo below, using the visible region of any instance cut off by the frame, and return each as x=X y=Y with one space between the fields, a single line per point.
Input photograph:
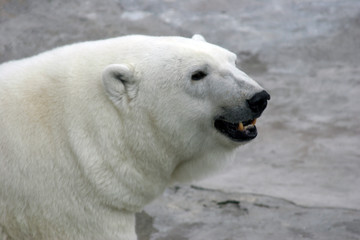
x=119 y=82
x=198 y=37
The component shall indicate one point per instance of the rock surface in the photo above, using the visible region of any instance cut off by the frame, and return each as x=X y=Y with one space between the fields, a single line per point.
x=196 y=213
x=306 y=53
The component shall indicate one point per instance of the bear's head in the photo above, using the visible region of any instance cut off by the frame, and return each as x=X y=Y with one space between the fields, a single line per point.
x=186 y=96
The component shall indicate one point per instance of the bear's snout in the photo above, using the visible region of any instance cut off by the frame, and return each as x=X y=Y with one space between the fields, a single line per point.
x=258 y=102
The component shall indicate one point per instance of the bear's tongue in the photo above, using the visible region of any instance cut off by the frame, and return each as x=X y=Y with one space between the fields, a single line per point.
x=247 y=124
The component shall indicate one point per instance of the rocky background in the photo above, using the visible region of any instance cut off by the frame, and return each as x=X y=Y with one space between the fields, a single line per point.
x=300 y=179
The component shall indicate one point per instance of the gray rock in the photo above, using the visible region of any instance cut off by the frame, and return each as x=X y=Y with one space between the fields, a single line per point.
x=196 y=213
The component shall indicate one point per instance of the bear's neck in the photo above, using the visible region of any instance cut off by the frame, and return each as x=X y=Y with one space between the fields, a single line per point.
x=127 y=163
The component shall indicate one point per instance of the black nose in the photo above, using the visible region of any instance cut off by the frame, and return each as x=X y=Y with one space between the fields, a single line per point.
x=258 y=102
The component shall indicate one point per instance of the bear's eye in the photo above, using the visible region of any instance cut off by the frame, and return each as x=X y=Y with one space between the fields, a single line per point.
x=198 y=75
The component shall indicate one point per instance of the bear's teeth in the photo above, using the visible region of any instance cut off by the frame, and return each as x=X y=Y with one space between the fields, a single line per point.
x=241 y=126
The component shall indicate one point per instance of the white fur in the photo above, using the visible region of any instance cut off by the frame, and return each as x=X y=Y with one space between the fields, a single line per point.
x=92 y=132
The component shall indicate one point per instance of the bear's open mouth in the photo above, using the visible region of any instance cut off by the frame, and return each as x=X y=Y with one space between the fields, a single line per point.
x=240 y=131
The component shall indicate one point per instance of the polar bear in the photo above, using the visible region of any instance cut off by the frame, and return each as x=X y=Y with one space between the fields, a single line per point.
x=92 y=132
